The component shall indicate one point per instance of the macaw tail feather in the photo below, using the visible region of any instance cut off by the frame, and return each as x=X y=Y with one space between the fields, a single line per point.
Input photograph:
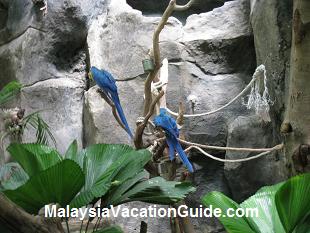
x=183 y=157
x=171 y=149
x=121 y=114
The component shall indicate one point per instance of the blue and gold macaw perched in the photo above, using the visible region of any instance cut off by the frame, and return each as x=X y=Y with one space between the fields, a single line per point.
x=106 y=82
x=169 y=125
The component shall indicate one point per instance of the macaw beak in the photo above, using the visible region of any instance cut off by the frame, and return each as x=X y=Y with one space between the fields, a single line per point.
x=90 y=75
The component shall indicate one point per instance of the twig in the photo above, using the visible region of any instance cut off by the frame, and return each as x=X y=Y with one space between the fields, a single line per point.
x=67 y=224
x=156 y=54
x=127 y=79
x=81 y=226
x=160 y=150
x=110 y=102
x=185 y=7
x=138 y=141
x=140 y=128
x=180 y=118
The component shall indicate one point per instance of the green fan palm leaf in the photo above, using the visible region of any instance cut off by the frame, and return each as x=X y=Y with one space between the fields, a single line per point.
x=34 y=157
x=43 y=132
x=293 y=201
x=58 y=184
x=113 y=172
x=282 y=208
x=232 y=224
x=105 y=165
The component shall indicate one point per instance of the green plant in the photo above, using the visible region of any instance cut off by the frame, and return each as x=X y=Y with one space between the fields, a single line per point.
x=112 y=229
x=9 y=91
x=15 y=122
x=43 y=132
x=284 y=207
x=112 y=173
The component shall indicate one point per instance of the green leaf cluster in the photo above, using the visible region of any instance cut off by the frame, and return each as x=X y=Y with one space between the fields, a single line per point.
x=112 y=229
x=9 y=91
x=282 y=208
x=113 y=173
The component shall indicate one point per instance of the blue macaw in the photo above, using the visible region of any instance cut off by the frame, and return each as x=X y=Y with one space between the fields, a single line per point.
x=169 y=125
x=107 y=84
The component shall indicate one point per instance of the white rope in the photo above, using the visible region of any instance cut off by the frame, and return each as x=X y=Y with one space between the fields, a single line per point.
x=277 y=147
x=256 y=75
x=228 y=160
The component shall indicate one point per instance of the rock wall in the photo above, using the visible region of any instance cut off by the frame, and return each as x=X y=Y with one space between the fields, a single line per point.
x=204 y=61
x=47 y=55
x=271 y=24
x=212 y=56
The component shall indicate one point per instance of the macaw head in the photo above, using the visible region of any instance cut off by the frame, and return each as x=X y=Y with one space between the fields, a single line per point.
x=93 y=72
x=161 y=120
x=166 y=122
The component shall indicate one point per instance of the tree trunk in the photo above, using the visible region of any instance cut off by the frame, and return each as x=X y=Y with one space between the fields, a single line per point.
x=296 y=126
x=19 y=221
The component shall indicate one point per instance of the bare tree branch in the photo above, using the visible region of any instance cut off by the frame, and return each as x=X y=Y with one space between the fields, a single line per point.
x=110 y=102
x=185 y=7
x=156 y=54
x=156 y=51
x=140 y=128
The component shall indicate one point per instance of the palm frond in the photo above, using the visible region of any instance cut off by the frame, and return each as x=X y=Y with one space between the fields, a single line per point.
x=43 y=132
x=9 y=91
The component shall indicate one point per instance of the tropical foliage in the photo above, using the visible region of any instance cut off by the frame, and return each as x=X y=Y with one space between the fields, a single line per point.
x=9 y=91
x=43 y=132
x=284 y=207
x=112 y=173
x=112 y=229
x=15 y=122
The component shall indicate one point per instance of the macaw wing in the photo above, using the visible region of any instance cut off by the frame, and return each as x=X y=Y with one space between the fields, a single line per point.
x=109 y=76
x=120 y=112
x=106 y=81
x=183 y=157
x=171 y=148
x=174 y=126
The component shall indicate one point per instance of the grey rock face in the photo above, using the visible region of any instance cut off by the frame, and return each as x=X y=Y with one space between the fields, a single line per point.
x=100 y=125
x=271 y=22
x=203 y=62
x=47 y=55
x=246 y=178
x=209 y=176
x=211 y=59
x=154 y=7
x=221 y=41
x=121 y=40
x=30 y=40
x=61 y=102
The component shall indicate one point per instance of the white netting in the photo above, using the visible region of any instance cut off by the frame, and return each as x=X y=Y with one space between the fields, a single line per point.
x=260 y=103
